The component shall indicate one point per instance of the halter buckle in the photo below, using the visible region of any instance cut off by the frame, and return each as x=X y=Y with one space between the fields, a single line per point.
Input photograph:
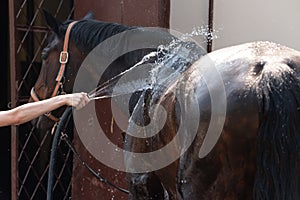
x=63 y=58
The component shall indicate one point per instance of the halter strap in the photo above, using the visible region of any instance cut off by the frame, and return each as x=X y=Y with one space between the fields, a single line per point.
x=63 y=59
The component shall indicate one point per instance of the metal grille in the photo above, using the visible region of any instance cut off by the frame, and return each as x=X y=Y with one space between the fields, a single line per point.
x=31 y=149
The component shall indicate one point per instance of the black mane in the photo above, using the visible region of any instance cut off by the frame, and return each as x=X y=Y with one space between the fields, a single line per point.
x=88 y=33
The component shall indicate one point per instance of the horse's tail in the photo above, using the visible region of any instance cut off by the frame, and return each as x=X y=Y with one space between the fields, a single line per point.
x=278 y=144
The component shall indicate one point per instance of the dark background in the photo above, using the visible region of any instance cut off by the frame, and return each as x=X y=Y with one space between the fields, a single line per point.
x=4 y=99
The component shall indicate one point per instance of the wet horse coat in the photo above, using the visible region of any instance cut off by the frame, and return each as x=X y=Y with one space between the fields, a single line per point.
x=257 y=154
x=85 y=36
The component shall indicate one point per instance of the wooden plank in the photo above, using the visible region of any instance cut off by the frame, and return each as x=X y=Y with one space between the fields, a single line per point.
x=13 y=98
x=151 y=13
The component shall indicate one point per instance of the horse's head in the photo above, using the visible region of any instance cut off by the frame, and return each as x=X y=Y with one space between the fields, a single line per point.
x=45 y=85
x=84 y=36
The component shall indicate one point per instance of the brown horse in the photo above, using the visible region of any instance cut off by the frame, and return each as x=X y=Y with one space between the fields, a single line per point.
x=87 y=34
x=84 y=36
x=256 y=154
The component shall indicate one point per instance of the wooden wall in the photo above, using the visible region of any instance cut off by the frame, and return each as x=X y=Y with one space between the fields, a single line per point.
x=150 y=13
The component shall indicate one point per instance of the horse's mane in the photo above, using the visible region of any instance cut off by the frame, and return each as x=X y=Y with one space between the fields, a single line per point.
x=88 y=33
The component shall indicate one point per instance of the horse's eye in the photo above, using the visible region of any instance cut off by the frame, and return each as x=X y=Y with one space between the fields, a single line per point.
x=44 y=54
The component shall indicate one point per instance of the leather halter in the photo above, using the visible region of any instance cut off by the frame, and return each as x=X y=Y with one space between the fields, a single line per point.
x=63 y=59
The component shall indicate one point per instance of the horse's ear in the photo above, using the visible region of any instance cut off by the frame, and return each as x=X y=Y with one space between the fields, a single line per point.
x=52 y=22
x=89 y=15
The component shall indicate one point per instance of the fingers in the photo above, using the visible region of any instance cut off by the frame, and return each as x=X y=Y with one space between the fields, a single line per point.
x=83 y=101
x=79 y=100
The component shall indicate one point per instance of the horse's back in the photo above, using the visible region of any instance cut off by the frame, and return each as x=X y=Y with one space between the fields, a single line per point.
x=257 y=150
x=256 y=155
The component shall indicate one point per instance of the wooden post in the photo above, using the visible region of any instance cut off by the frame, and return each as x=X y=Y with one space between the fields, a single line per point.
x=13 y=99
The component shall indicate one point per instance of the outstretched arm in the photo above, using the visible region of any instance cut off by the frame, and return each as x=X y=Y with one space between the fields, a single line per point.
x=32 y=110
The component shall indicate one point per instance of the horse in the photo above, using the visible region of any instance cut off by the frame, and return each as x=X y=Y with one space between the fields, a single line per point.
x=256 y=153
x=84 y=36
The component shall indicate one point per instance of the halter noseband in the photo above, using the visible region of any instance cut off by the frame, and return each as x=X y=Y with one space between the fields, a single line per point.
x=63 y=59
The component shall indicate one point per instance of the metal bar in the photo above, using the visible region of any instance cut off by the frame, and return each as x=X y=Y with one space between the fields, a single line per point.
x=13 y=99
x=23 y=146
x=122 y=11
x=71 y=13
x=62 y=170
x=21 y=8
x=40 y=184
x=26 y=193
x=31 y=164
x=29 y=42
x=31 y=24
x=66 y=197
x=38 y=29
x=58 y=8
x=21 y=181
x=18 y=10
x=32 y=61
x=210 y=24
x=167 y=11
x=35 y=29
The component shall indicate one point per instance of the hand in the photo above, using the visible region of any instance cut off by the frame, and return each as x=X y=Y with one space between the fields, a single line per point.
x=77 y=100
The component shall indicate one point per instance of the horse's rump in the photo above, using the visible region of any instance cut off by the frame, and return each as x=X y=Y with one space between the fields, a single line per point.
x=261 y=130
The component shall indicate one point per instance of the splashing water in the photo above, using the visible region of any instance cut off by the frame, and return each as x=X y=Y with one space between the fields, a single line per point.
x=204 y=31
x=167 y=63
x=105 y=90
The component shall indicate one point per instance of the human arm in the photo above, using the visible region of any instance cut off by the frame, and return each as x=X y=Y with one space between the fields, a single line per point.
x=32 y=110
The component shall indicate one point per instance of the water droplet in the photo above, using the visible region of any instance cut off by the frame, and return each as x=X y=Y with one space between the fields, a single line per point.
x=183 y=181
